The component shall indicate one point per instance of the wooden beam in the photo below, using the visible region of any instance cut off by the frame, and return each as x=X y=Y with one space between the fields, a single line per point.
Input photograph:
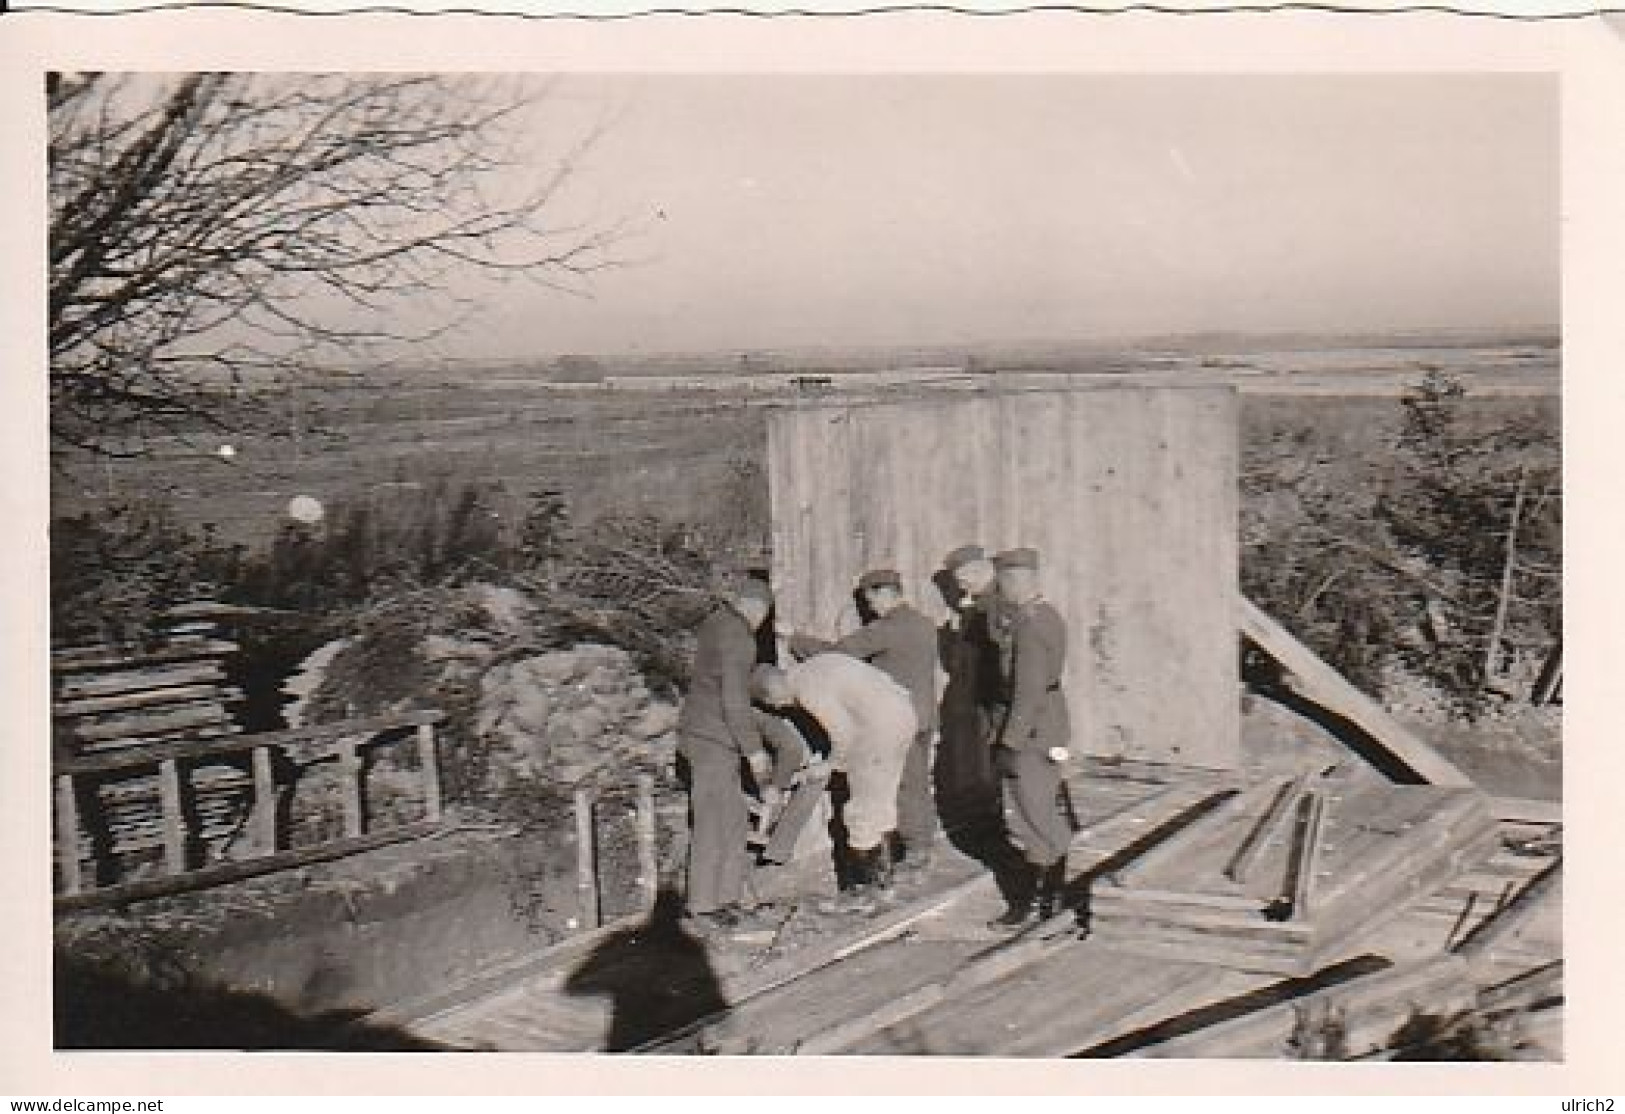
x=1327 y=687
x=167 y=720
x=354 y=795
x=72 y=686
x=67 y=834
x=222 y=874
x=174 y=818
x=586 y=861
x=265 y=801
x=147 y=754
x=107 y=657
x=140 y=699
x=1246 y=856
x=429 y=760
x=1306 y=853
x=648 y=864
x=1504 y=921
x=1526 y=810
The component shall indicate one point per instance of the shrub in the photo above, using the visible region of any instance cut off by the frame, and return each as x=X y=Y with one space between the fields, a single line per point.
x=115 y=573
x=1386 y=555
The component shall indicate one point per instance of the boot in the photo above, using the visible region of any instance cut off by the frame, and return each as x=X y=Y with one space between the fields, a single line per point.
x=882 y=883
x=909 y=861
x=859 y=897
x=1052 y=889
x=1023 y=888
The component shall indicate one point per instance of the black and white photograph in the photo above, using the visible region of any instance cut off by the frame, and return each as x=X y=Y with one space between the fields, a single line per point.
x=1041 y=565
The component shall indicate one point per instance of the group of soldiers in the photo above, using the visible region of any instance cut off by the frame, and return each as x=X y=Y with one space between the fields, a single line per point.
x=867 y=707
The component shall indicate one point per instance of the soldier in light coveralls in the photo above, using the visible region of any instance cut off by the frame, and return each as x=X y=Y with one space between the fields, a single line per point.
x=902 y=643
x=871 y=725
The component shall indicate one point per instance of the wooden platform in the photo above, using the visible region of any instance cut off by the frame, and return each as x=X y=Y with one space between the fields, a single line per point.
x=1281 y=878
x=927 y=976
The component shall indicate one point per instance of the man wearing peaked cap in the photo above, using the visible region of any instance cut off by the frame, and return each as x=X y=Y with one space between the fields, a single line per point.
x=716 y=728
x=1033 y=735
x=967 y=785
x=963 y=556
x=902 y=643
x=1016 y=559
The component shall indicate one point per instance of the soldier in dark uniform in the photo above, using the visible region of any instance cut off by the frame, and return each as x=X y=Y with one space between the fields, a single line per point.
x=716 y=729
x=1035 y=733
x=902 y=643
x=973 y=702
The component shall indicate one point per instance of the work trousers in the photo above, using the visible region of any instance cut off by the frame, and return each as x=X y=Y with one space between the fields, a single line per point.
x=916 y=808
x=874 y=769
x=719 y=826
x=1032 y=784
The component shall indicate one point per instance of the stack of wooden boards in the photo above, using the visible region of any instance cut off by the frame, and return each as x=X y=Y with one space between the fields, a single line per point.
x=1282 y=876
x=107 y=699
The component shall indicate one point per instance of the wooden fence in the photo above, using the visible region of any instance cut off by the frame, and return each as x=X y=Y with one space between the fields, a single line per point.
x=148 y=759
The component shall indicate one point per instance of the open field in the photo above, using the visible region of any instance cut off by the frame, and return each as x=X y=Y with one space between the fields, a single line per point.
x=679 y=446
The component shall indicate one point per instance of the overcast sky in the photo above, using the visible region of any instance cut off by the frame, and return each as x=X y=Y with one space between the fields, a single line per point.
x=782 y=211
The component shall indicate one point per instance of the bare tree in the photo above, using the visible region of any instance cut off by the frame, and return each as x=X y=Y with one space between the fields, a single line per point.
x=204 y=226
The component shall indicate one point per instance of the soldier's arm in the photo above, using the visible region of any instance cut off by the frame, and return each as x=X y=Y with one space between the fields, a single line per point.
x=1034 y=671
x=790 y=750
x=737 y=659
x=805 y=646
x=865 y=642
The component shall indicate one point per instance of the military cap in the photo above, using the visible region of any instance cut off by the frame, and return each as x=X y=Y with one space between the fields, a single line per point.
x=963 y=556
x=1024 y=558
x=880 y=578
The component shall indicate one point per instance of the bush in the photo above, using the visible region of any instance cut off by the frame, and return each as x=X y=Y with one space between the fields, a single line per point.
x=1385 y=552
x=115 y=574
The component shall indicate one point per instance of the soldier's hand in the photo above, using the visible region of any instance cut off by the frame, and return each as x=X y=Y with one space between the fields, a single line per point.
x=1004 y=760
x=761 y=768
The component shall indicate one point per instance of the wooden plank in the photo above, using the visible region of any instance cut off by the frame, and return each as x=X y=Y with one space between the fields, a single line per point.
x=1524 y=989
x=1505 y=921
x=265 y=803
x=104 y=657
x=142 y=700
x=69 y=687
x=67 y=834
x=587 y=903
x=1145 y=897
x=125 y=893
x=174 y=819
x=804 y=800
x=1354 y=928
x=1171 y=827
x=429 y=764
x=1396 y=853
x=1327 y=687
x=169 y=720
x=1526 y=810
x=1203 y=986
x=1265 y=1031
x=150 y=753
x=1300 y=879
x=351 y=788
x=648 y=865
x=1252 y=846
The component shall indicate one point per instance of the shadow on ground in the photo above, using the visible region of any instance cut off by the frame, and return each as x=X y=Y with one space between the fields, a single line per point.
x=656 y=975
x=96 y=1007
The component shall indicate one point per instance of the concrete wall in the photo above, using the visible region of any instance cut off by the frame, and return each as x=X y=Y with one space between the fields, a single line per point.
x=1129 y=494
